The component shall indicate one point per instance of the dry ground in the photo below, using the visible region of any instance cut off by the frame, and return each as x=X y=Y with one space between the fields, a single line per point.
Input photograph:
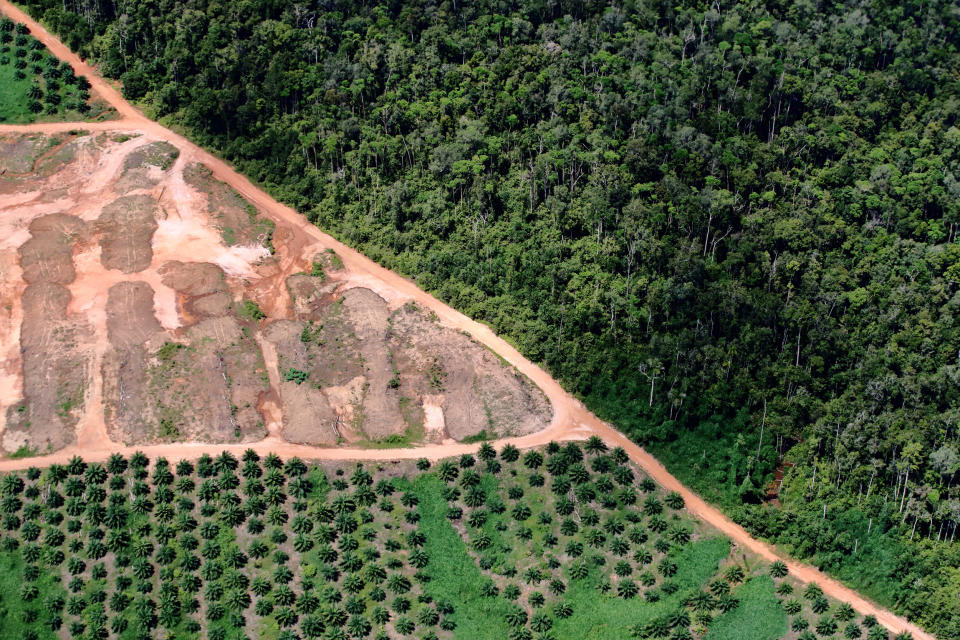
x=145 y=301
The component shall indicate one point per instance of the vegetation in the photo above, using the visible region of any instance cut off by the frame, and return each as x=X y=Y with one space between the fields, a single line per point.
x=761 y=617
x=733 y=230
x=33 y=83
x=564 y=543
x=250 y=310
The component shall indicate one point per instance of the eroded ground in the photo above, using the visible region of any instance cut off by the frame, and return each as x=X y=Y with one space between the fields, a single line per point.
x=143 y=301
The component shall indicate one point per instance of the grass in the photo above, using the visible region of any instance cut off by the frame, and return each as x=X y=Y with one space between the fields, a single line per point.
x=249 y=310
x=607 y=617
x=13 y=610
x=759 y=616
x=14 y=99
x=13 y=96
x=453 y=574
x=25 y=451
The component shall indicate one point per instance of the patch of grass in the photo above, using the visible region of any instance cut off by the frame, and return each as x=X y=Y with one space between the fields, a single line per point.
x=759 y=616
x=482 y=436
x=453 y=574
x=14 y=611
x=159 y=154
x=605 y=616
x=413 y=434
x=25 y=451
x=168 y=351
x=250 y=310
x=32 y=92
x=296 y=375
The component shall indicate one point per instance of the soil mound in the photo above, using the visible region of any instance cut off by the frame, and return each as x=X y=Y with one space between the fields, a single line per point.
x=54 y=349
x=48 y=255
x=476 y=390
x=127 y=225
x=130 y=325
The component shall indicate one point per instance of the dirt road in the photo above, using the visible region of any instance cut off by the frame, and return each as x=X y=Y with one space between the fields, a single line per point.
x=571 y=420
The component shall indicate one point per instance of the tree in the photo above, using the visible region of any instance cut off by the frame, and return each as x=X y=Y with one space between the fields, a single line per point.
x=595 y=445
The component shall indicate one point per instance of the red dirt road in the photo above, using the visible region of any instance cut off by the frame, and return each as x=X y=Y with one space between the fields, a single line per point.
x=571 y=420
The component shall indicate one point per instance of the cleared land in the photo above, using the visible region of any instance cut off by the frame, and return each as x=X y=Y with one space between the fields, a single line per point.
x=143 y=293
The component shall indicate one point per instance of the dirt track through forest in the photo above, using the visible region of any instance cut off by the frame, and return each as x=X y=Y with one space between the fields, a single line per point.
x=571 y=420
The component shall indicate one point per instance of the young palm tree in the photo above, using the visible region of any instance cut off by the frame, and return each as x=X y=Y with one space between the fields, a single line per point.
x=509 y=453
x=595 y=445
x=778 y=569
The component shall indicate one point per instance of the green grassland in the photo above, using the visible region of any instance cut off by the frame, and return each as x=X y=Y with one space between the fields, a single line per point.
x=568 y=542
x=760 y=616
x=34 y=84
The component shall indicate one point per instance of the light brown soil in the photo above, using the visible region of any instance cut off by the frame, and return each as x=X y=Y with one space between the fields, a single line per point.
x=239 y=222
x=126 y=227
x=474 y=388
x=570 y=419
x=55 y=372
x=48 y=255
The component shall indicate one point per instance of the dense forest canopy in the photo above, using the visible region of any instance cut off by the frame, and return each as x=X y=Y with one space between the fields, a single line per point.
x=711 y=220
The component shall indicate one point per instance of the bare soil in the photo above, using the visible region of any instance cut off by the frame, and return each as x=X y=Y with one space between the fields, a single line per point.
x=475 y=389
x=185 y=314
x=239 y=222
x=126 y=227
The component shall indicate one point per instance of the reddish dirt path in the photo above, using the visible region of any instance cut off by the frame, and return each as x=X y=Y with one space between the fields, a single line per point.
x=571 y=420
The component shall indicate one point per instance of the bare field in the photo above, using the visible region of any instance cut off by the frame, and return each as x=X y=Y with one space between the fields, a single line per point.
x=144 y=302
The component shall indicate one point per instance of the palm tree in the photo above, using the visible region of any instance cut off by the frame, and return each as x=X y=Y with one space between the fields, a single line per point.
x=509 y=453
x=619 y=547
x=295 y=467
x=579 y=571
x=516 y=617
x=139 y=461
x=623 y=476
x=285 y=616
x=679 y=534
x=667 y=568
x=300 y=488
x=719 y=587
x=225 y=463
x=398 y=583
x=778 y=569
x=734 y=574
x=826 y=626
x=311 y=626
x=595 y=445
x=820 y=605
x=116 y=464
x=674 y=500
x=237 y=600
x=727 y=603
x=844 y=612
x=447 y=471
x=627 y=589
x=812 y=591
x=380 y=615
x=657 y=524
x=533 y=460
x=659 y=627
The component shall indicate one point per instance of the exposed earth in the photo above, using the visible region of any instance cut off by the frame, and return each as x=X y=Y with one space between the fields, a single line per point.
x=141 y=294
x=88 y=315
